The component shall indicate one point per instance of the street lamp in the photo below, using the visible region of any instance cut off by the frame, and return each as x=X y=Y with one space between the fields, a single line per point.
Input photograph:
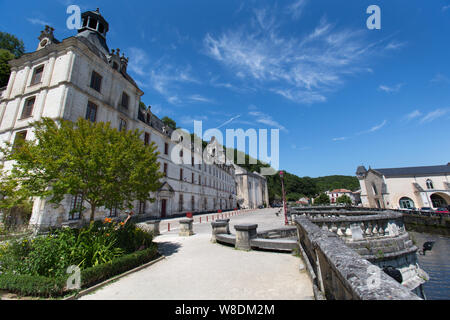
x=284 y=197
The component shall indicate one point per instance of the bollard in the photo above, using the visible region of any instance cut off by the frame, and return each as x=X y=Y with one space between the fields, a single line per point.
x=168 y=227
x=200 y=219
x=206 y=218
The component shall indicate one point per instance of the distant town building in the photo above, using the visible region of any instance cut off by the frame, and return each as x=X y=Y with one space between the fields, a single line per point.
x=305 y=201
x=405 y=188
x=336 y=193
x=81 y=77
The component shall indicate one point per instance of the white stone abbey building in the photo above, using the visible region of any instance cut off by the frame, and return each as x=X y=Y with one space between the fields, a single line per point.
x=405 y=188
x=81 y=77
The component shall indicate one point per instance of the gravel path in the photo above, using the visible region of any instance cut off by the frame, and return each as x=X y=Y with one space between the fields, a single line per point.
x=196 y=269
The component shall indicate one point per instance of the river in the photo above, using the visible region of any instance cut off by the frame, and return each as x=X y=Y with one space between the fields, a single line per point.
x=436 y=263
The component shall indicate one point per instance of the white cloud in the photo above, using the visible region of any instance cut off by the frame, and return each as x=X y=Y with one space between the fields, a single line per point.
x=393 y=45
x=413 y=115
x=440 y=78
x=200 y=98
x=433 y=115
x=38 y=22
x=302 y=69
x=296 y=8
x=266 y=119
x=391 y=89
x=138 y=61
x=374 y=128
x=445 y=8
x=340 y=139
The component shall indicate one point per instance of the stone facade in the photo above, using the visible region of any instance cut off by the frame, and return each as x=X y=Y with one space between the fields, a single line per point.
x=81 y=77
x=252 y=190
x=405 y=188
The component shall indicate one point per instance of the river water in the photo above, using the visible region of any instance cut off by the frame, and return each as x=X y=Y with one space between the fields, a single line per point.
x=436 y=263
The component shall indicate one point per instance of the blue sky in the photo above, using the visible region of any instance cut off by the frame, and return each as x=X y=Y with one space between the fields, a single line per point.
x=342 y=95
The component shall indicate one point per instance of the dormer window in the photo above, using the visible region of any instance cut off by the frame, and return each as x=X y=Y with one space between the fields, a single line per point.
x=430 y=184
x=101 y=28
x=115 y=66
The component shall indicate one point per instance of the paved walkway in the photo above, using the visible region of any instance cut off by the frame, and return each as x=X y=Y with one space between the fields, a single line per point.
x=196 y=269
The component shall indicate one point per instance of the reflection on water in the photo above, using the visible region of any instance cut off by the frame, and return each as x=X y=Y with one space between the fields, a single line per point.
x=436 y=263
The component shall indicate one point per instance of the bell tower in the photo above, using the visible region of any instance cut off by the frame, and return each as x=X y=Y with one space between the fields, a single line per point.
x=94 y=27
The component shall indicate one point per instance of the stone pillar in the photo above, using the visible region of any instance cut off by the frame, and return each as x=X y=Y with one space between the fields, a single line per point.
x=219 y=227
x=244 y=234
x=228 y=223
x=186 y=227
x=153 y=227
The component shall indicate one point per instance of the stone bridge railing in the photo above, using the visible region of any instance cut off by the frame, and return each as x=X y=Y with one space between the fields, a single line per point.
x=339 y=273
x=353 y=225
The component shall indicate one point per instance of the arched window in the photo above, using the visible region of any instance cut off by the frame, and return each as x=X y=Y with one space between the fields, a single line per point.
x=406 y=203
x=430 y=184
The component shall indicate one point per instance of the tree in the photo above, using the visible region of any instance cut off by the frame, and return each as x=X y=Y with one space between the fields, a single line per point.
x=322 y=199
x=107 y=167
x=5 y=70
x=12 y=44
x=169 y=122
x=344 y=199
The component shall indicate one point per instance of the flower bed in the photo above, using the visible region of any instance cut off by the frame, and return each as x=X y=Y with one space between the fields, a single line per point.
x=38 y=266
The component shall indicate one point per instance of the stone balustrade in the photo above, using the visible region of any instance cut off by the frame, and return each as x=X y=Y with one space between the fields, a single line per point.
x=339 y=273
x=354 y=228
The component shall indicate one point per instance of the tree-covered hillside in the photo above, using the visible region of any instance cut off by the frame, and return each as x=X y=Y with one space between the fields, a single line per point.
x=295 y=186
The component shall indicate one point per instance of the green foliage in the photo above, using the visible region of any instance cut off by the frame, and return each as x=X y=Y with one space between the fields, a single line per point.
x=344 y=199
x=102 y=272
x=169 y=122
x=337 y=182
x=5 y=70
x=55 y=286
x=50 y=255
x=322 y=199
x=12 y=44
x=109 y=168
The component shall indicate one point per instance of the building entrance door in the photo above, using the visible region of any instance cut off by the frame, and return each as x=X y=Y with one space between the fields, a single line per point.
x=163 y=208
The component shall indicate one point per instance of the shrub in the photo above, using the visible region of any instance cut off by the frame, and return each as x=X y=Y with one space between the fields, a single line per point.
x=56 y=286
x=50 y=255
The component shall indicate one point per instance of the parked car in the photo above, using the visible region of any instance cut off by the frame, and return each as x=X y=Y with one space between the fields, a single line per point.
x=442 y=211
x=427 y=209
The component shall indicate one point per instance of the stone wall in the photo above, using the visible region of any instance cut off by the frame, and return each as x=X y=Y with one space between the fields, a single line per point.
x=339 y=273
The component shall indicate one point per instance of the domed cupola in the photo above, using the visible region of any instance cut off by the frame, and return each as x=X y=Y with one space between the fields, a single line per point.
x=93 y=20
x=94 y=27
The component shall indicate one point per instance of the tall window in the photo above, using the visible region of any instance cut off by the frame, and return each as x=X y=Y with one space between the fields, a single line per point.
x=27 y=110
x=19 y=138
x=37 y=75
x=181 y=174
x=165 y=169
x=180 y=204
x=91 y=112
x=122 y=125
x=430 y=184
x=192 y=161
x=166 y=148
x=141 y=207
x=96 y=81
x=125 y=100
x=147 y=138
x=75 y=207
x=193 y=178
x=193 y=203
x=113 y=212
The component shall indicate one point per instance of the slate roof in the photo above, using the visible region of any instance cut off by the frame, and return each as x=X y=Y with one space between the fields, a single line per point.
x=415 y=171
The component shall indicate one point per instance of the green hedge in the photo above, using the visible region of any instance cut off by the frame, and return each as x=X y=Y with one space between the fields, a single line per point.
x=26 y=285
